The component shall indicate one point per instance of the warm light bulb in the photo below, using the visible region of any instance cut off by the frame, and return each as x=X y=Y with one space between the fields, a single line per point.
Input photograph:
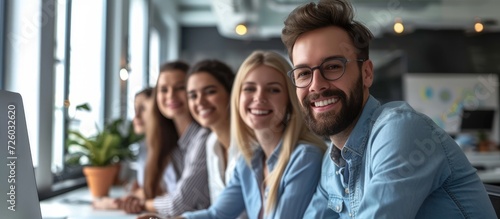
x=399 y=27
x=478 y=27
x=241 y=29
x=123 y=74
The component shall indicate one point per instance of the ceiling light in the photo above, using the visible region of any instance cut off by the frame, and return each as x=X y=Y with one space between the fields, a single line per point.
x=241 y=29
x=478 y=25
x=398 y=26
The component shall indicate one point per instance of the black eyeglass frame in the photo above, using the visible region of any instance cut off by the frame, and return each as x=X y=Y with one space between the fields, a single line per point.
x=342 y=59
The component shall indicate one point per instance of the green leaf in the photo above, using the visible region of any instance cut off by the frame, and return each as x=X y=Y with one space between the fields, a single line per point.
x=74 y=159
x=83 y=107
x=107 y=146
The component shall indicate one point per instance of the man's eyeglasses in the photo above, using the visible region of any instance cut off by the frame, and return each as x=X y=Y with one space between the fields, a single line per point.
x=331 y=69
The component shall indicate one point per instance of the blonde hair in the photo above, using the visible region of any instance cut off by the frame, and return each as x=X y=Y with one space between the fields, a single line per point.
x=295 y=130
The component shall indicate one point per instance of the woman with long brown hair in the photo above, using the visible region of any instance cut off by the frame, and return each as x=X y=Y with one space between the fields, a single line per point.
x=209 y=88
x=176 y=148
x=142 y=107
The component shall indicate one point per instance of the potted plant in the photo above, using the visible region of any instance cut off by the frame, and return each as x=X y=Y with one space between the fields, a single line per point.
x=101 y=153
x=484 y=142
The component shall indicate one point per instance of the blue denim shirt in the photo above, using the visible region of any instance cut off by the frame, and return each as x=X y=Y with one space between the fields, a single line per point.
x=397 y=163
x=297 y=186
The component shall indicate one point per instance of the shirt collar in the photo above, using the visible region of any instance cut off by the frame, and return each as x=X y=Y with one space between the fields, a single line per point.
x=358 y=138
x=271 y=160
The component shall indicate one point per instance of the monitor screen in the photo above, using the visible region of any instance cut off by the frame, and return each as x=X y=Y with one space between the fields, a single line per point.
x=473 y=120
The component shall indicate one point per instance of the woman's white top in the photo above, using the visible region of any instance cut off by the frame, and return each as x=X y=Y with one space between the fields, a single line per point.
x=218 y=177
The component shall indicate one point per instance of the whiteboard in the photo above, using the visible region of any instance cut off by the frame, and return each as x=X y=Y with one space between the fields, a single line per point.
x=442 y=97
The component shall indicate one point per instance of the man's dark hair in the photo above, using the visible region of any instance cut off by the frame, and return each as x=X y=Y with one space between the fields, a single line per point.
x=326 y=13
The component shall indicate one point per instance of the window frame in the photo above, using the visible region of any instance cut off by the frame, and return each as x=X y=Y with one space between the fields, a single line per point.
x=51 y=182
x=3 y=20
x=71 y=177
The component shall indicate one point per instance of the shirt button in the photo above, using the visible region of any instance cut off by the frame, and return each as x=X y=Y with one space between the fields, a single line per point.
x=350 y=215
x=337 y=172
x=337 y=208
x=346 y=190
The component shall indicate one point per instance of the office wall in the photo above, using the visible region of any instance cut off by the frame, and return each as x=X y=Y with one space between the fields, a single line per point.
x=446 y=51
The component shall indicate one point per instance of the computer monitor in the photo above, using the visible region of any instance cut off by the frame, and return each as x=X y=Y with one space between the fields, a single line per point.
x=17 y=175
x=477 y=120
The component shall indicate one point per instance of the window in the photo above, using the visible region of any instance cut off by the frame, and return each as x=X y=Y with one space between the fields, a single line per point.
x=60 y=77
x=138 y=51
x=22 y=44
x=74 y=33
x=154 y=56
x=86 y=71
x=79 y=75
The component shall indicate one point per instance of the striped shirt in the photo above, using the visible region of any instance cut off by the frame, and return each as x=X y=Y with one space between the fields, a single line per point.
x=190 y=164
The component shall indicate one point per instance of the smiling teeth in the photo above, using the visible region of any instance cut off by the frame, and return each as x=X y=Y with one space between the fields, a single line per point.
x=325 y=102
x=204 y=112
x=260 y=112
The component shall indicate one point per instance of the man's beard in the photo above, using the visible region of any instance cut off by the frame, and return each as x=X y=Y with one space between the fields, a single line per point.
x=331 y=123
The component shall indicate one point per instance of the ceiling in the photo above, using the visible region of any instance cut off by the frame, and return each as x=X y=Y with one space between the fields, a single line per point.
x=264 y=18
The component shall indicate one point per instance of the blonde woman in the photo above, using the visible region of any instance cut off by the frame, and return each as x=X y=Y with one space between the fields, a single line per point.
x=281 y=159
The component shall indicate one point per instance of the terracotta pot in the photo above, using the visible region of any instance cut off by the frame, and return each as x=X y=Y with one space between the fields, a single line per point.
x=100 y=179
x=484 y=145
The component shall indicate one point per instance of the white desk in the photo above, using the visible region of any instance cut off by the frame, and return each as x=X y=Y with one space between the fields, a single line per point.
x=490 y=161
x=77 y=205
